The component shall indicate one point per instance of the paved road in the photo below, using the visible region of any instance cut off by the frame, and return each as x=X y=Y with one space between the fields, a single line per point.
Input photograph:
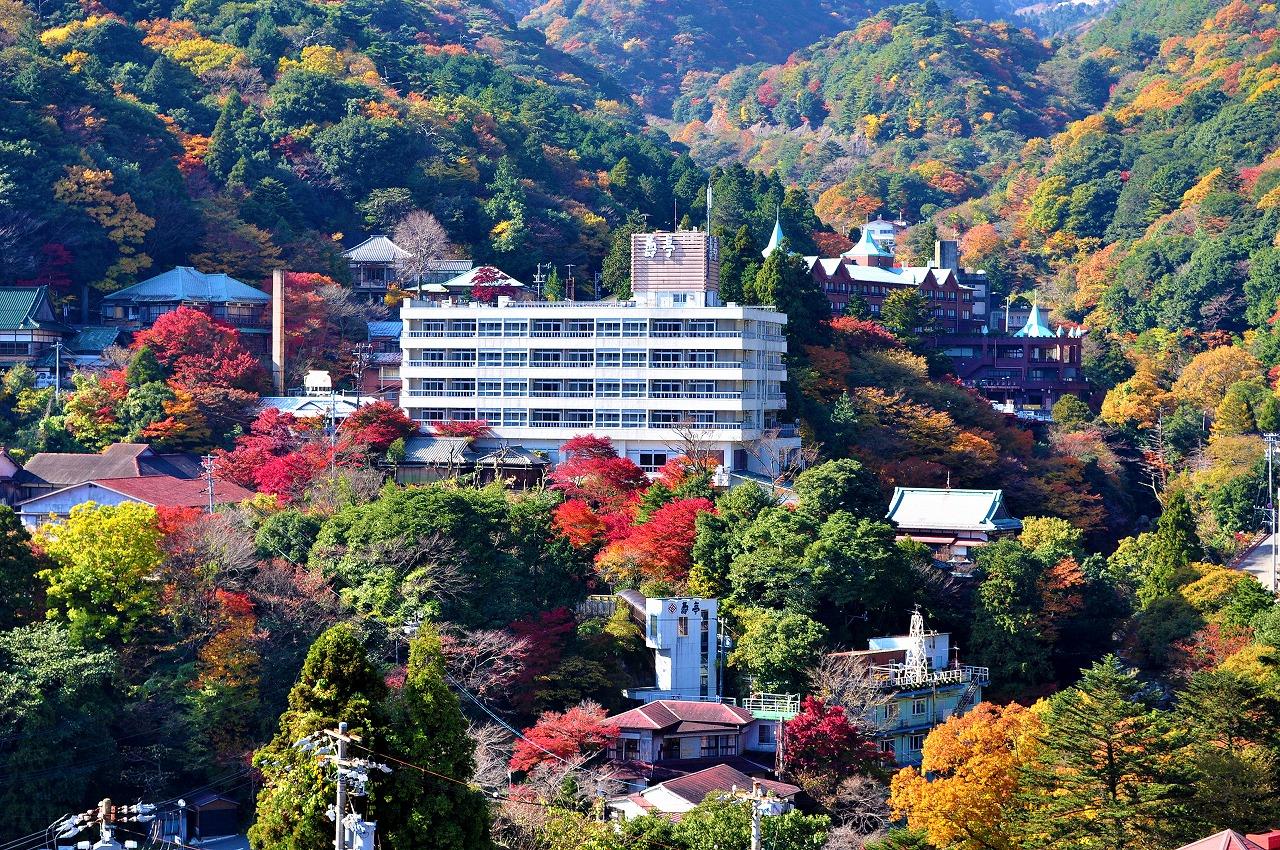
x=1258 y=563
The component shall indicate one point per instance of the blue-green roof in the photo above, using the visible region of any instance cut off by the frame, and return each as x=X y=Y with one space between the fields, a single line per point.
x=1035 y=326
x=27 y=308
x=185 y=284
x=93 y=340
x=867 y=247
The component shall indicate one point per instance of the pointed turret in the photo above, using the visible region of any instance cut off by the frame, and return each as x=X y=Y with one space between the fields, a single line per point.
x=869 y=252
x=1035 y=326
x=775 y=240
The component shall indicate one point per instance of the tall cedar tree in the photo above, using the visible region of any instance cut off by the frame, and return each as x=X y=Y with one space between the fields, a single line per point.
x=338 y=683
x=18 y=568
x=424 y=811
x=1175 y=545
x=1111 y=772
x=1006 y=632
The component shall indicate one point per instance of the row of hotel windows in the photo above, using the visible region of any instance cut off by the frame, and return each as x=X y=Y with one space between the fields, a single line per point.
x=862 y=289
x=632 y=358
x=515 y=417
x=517 y=388
x=582 y=327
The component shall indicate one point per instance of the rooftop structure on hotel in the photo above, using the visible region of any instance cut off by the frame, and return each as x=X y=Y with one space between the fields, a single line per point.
x=671 y=371
x=923 y=683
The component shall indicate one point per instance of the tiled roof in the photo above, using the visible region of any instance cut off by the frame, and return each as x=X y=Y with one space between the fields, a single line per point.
x=27 y=308
x=119 y=460
x=430 y=450
x=665 y=713
x=167 y=491
x=93 y=340
x=187 y=284
x=511 y=456
x=932 y=508
x=1226 y=840
x=696 y=786
x=385 y=330
x=376 y=249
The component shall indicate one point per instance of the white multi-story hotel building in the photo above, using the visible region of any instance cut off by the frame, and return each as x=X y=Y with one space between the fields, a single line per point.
x=670 y=368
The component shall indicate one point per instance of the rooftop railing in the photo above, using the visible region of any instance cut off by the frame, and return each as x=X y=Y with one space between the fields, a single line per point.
x=899 y=676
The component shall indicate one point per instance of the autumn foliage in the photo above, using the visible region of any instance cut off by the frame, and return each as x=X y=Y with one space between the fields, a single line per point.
x=563 y=736
x=199 y=351
x=822 y=740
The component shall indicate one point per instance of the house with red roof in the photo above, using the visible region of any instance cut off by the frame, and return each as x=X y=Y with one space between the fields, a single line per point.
x=159 y=491
x=1229 y=839
x=677 y=796
x=672 y=730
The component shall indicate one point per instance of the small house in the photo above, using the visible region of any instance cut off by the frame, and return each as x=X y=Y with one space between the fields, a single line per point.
x=29 y=327
x=222 y=297
x=158 y=491
x=46 y=472
x=674 y=797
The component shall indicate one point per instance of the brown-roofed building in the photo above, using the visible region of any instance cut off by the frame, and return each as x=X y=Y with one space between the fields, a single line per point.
x=668 y=731
x=46 y=472
x=676 y=796
x=159 y=491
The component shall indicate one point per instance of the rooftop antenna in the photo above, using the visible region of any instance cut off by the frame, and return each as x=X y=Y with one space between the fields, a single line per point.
x=709 y=204
x=948 y=479
x=538 y=279
x=675 y=214
x=568 y=286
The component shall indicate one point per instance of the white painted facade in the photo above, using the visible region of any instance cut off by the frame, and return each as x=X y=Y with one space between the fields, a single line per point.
x=651 y=375
x=684 y=634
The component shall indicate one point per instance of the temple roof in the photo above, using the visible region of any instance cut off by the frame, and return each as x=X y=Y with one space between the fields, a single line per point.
x=184 y=283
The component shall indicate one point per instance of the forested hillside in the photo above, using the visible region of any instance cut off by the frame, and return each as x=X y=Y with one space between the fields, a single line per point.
x=910 y=95
x=654 y=46
x=236 y=137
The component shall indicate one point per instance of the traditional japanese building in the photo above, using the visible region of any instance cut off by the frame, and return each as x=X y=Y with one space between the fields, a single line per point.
x=377 y=263
x=29 y=325
x=223 y=298
x=953 y=523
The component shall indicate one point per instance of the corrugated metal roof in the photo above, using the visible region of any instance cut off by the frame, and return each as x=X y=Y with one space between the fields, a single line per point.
x=932 y=508
x=376 y=249
x=430 y=450
x=187 y=284
x=385 y=330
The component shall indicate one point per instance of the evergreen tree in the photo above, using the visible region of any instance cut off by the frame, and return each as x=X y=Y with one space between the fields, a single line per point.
x=553 y=289
x=784 y=282
x=224 y=150
x=18 y=568
x=617 y=263
x=735 y=253
x=143 y=368
x=266 y=45
x=1174 y=546
x=1110 y=772
x=424 y=811
x=1006 y=634
x=337 y=683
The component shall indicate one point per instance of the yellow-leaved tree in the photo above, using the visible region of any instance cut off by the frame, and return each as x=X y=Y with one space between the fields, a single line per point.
x=105 y=559
x=974 y=763
x=125 y=225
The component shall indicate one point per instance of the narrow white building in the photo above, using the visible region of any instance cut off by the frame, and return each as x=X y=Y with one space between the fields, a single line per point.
x=684 y=634
x=670 y=371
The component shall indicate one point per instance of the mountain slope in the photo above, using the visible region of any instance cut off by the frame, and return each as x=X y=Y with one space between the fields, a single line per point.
x=910 y=90
x=652 y=46
x=239 y=136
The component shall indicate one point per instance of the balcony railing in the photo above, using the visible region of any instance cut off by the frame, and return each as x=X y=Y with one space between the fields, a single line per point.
x=772 y=703
x=899 y=676
x=700 y=426
x=704 y=364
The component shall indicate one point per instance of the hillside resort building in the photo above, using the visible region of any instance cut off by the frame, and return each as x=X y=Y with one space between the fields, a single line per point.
x=923 y=683
x=672 y=370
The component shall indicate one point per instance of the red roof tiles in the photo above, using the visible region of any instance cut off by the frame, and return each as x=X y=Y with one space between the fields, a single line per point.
x=665 y=713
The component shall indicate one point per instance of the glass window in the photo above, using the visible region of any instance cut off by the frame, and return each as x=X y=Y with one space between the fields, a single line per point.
x=490 y=358
x=608 y=389
x=489 y=388
x=634 y=328
x=579 y=356
x=917 y=743
x=633 y=389
x=609 y=358
x=515 y=388
x=633 y=359
x=652 y=461
x=608 y=328
x=515 y=329
x=766 y=733
x=514 y=358
x=919 y=707
x=489 y=414
x=633 y=419
x=608 y=419
x=514 y=417
x=491 y=329
x=682 y=627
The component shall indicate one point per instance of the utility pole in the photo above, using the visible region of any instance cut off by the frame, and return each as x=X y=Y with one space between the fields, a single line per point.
x=57 y=371
x=1271 y=440
x=568 y=284
x=106 y=815
x=342 y=738
x=206 y=463
x=351 y=775
x=757 y=813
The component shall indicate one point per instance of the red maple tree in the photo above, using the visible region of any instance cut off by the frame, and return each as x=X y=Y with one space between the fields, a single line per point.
x=660 y=549
x=578 y=523
x=199 y=351
x=821 y=740
x=472 y=429
x=487 y=284
x=593 y=471
x=376 y=426
x=563 y=736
